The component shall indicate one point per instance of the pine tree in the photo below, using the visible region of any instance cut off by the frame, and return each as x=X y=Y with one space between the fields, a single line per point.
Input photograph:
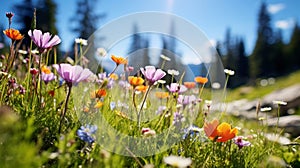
x=138 y=50
x=86 y=22
x=46 y=20
x=242 y=62
x=293 y=49
x=262 y=51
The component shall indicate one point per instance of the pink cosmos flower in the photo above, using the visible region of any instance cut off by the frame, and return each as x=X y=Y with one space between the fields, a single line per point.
x=175 y=87
x=48 y=77
x=72 y=74
x=152 y=74
x=43 y=41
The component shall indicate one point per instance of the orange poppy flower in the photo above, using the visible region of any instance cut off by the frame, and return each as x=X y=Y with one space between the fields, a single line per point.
x=98 y=93
x=201 y=80
x=210 y=129
x=161 y=95
x=13 y=34
x=220 y=133
x=189 y=85
x=135 y=81
x=119 y=60
x=225 y=132
x=141 y=88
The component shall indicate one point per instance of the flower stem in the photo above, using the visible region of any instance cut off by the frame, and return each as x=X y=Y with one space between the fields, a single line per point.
x=141 y=108
x=63 y=114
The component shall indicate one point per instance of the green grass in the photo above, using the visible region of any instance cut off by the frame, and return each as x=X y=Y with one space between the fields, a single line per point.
x=258 y=91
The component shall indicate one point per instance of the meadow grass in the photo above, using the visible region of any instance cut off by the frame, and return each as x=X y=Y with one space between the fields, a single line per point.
x=76 y=118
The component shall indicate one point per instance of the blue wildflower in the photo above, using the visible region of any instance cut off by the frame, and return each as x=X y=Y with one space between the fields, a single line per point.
x=86 y=133
x=112 y=105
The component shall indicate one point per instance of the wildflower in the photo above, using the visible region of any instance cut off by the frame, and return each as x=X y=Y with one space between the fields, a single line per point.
x=141 y=88
x=98 y=104
x=43 y=41
x=13 y=34
x=72 y=74
x=240 y=142
x=175 y=87
x=162 y=95
x=81 y=41
x=178 y=119
x=86 y=133
x=98 y=93
x=9 y=15
x=121 y=114
x=119 y=60
x=129 y=68
x=34 y=71
x=112 y=105
x=160 y=110
x=22 y=52
x=45 y=69
x=280 y=103
x=165 y=57
x=185 y=99
x=114 y=76
x=47 y=77
x=177 y=161
x=229 y=72
x=51 y=93
x=210 y=129
x=264 y=109
x=193 y=132
x=189 y=85
x=161 y=81
x=135 y=81
x=201 y=80
x=147 y=132
x=220 y=133
x=152 y=74
x=173 y=72
x=101 y=52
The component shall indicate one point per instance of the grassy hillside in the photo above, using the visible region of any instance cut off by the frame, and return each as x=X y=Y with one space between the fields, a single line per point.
x=259 y=91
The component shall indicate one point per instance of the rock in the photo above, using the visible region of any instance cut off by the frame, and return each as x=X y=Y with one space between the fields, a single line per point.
x=291 y=95
x=290 y=124
x=277 y=138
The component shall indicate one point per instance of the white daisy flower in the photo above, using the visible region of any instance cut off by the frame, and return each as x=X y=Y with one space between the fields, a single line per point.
x=177 y=161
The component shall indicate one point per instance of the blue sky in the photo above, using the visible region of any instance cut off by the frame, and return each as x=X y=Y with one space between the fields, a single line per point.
x=213 y=17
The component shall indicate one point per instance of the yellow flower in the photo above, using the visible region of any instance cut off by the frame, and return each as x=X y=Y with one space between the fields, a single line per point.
x=13 y=34
x=98 y=104
x=141 y=88
x=162 y=95
x=135 y=81
x=114 y=76
x=45 y=69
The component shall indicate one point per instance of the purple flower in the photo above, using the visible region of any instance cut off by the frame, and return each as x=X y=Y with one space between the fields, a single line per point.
x=160 y=110
x=72 y=74
x=175 y=87
x=240 y=142
x=85 y=133
x=178 y=119
x=152 y=74
x=43 y=41
x=102 y=78
x=185 y=99
x=48 y=77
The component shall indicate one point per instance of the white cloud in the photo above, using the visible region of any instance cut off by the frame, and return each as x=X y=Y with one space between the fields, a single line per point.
x=284 y=24
x=275 y=8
